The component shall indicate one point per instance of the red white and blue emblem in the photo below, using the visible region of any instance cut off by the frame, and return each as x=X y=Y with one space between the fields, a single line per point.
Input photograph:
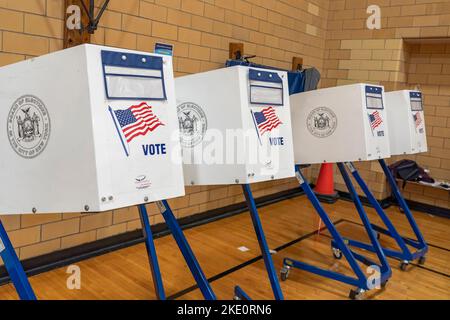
x=266 y=120
x=375 y=120
x=138 y=120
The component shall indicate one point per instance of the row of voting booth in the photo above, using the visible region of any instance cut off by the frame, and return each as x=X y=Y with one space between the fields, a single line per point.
x=94 y=129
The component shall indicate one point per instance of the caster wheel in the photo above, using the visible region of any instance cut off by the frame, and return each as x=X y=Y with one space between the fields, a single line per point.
x=337 y=254
x=404 y=265
x=422 y=260
x=384 y=284
x=236 y=298
x=284 y=273
x=357 y=294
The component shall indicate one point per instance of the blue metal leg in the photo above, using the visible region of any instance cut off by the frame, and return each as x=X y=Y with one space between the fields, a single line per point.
x=325 y=273
x=360 y=281
x=404 y=206
x=382 y=214
x=414 y=243
x=14 y=267
x=186 y=250
x=151 y=252
x=369 y=247
x=240 y=294
x=385 y=268
x=263 y=243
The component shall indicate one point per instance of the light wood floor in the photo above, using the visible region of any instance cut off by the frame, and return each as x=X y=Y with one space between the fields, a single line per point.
x=124 y=274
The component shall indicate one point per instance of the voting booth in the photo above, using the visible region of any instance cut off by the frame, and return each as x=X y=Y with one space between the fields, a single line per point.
x=339 y=124
x=356 y=123
x=88 y=129
x=406 y=122
x=235 y=128
x=91 y=129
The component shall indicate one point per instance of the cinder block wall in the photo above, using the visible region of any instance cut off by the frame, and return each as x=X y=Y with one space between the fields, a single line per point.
x=393 y=56
x=428 y=68
x=201 y=31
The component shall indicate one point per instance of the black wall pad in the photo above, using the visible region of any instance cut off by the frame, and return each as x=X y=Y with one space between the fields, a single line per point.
x=385 y=203
x=413 y=205
x=54 y=260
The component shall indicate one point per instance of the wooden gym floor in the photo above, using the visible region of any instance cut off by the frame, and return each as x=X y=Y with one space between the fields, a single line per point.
x=290 y=227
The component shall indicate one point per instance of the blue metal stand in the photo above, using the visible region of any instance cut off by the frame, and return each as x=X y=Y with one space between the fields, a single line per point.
x=25 y=292
x=340 y=247
x=186 y=250
x=182 y=243
x=14 y=267
x=405 y=254
x=240 y=294
x=191 y=261
x=263 y=246
x=152 y=256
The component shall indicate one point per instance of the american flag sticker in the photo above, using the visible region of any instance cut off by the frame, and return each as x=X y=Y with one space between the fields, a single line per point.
x=138 y=120
x=417 y=119
x=266 y=120
x=375 y=120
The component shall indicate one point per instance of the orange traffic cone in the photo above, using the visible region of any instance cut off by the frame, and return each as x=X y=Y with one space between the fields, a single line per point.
x=324 y=189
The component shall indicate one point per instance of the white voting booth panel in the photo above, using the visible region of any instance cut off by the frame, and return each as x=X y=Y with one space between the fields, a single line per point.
x=406 y=122
x=89 y=128
x=248 y=101
x=340 y=124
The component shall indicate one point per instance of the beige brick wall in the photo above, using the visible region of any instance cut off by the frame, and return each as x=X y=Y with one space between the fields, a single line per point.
x=391 y=57
x=201 y=31
x=428 y=67
x=328 y=34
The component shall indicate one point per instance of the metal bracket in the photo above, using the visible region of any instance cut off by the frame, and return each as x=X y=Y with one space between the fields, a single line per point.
x=162 y=208
x=247 y=58
x=299 y=177
x=350 y=167
x=236 y=52
x=93 y=20
x=2 y=246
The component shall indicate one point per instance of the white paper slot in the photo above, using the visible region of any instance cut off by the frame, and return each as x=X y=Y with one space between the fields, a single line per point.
x=266 y=93
x=126 y=87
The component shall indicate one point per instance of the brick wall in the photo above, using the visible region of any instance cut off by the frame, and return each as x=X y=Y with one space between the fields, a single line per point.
x=329 y=34
x=394 y=57
x=201 y=31
x=428 y=68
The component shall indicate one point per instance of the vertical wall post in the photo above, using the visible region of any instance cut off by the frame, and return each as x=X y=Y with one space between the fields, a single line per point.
x=297 y=64
x=74 y=37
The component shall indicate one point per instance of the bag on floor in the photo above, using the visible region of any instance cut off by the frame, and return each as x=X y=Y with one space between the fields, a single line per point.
x=409 y=170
